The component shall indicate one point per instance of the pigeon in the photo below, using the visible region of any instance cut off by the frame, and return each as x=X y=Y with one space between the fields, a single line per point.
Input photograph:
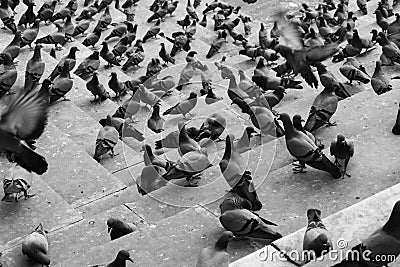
x=380 y=81
x=97 y=89
x=381 y=21
x=354 y=71
x=180 y=42
x=34 y=69
x=191 y=12
x=156 y=122
x=203 y=21
x=160 y=13
x=342 y=150
x=172 y=7
x=68 y=28
x=184 y=107
x=304 y=149
x=151 y=179
x=322 y=109
x=92 y=39
x=243 y=144
x=184 y=23
x=81 y=28
x=118 y=228
x=150 y=159
x=129 y=108
x=189 y=166
x=244 y=223
x=215 y=46
x=211 y=6
x=153 y=31
x=186 y=144
x=117 y=86
x=316 y=238
x=104 y=4
x=135 y=59
x=211 y=97
x=297 y=124
x=71 y=57
x=165 y=56
x=29 y=35
x=28 y=17
x=261 y=117
x=396 y=127
x=191 y=30
x=196 y=3
x=6 y=17
x=56 y=38
x=14 y=47
x=383 y=244
x=148 y=97
x=264 y=40
x=121 y=47
x=108 y=56
x=119 y=30
x=216 y=255
x=153 y=69
x=275 y=97
x=106 y=140
x=62 y=84
x=15 y=183
x=46 y=11
x=88 y=66
x=233 y=201
x=62 y=13
x=232 y=164
x=212 y=127
x=36 y=246
x=361 y=43
x=120 y=260
x=329 y=80
x=8 y=73
x=389 y=48
x=104 y=21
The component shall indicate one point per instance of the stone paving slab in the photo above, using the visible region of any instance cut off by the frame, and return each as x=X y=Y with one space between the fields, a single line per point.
x=72 y=173
x=46 y=207
x=186 y=234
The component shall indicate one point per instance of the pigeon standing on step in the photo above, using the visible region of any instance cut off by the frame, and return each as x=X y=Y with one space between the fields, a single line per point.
x=16 y=182
x=92 y=38
x=104 y=21
x=380 y=81
x=71 y=57
x=97 y=89
x=29 y=35
x=35 y=246
x=232 y=164
x=191 y=12
x=165 y=56
x=8 y=74
x=184 y=107
x=14 y=47
x=322 y=109
x=153 y=31
x=28 y=17
x=305 y=151
x=147 y=96
x=106 y=140
x=108 y=56
x=118 y=228
x=6 y=16
x=117 y=86
x=354 y=71
x=342 y=150
x=120 y=260
x=216 y=254
x=297 y=124
x=244 y=223
x=156 y=122
x=329 y=80
x=382 y=246
x=88 y=66
x=62 y=84
x=46 y=11
x=81 y=28
x=119 y=30
x=34 y=69
x=160 y=13
x=316 y=238
x=56 y=38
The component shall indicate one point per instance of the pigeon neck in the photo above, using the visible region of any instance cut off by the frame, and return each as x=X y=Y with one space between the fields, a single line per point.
x=378 y=69
x=228 y=148
x=289 y=129
x=156 y=112
x=39 y=257
x=232 y=82
x=37 y=54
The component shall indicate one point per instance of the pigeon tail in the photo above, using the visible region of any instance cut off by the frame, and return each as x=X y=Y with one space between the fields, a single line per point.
x=324 y=164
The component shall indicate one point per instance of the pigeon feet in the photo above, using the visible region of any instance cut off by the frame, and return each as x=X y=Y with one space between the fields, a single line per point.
x=328 y=124
x=299 y=169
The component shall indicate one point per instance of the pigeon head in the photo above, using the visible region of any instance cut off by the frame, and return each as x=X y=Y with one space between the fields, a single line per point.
x=340 y=138
x=5 y=58
x=313 y=215
x=192 y=95
x=222 y=243
x=113 y=74
x=250 y=131
x=124 y=255
x=297 y=122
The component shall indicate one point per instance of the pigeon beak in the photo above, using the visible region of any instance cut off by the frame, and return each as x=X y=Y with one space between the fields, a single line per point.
x=109 y=229
x=302 y=120
x=78 y=49
x=129 y=259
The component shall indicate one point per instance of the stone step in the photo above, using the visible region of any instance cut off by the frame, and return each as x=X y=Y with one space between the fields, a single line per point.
x=186 y=234
x=46 y=207
x=74 y=240
x=75 y=176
